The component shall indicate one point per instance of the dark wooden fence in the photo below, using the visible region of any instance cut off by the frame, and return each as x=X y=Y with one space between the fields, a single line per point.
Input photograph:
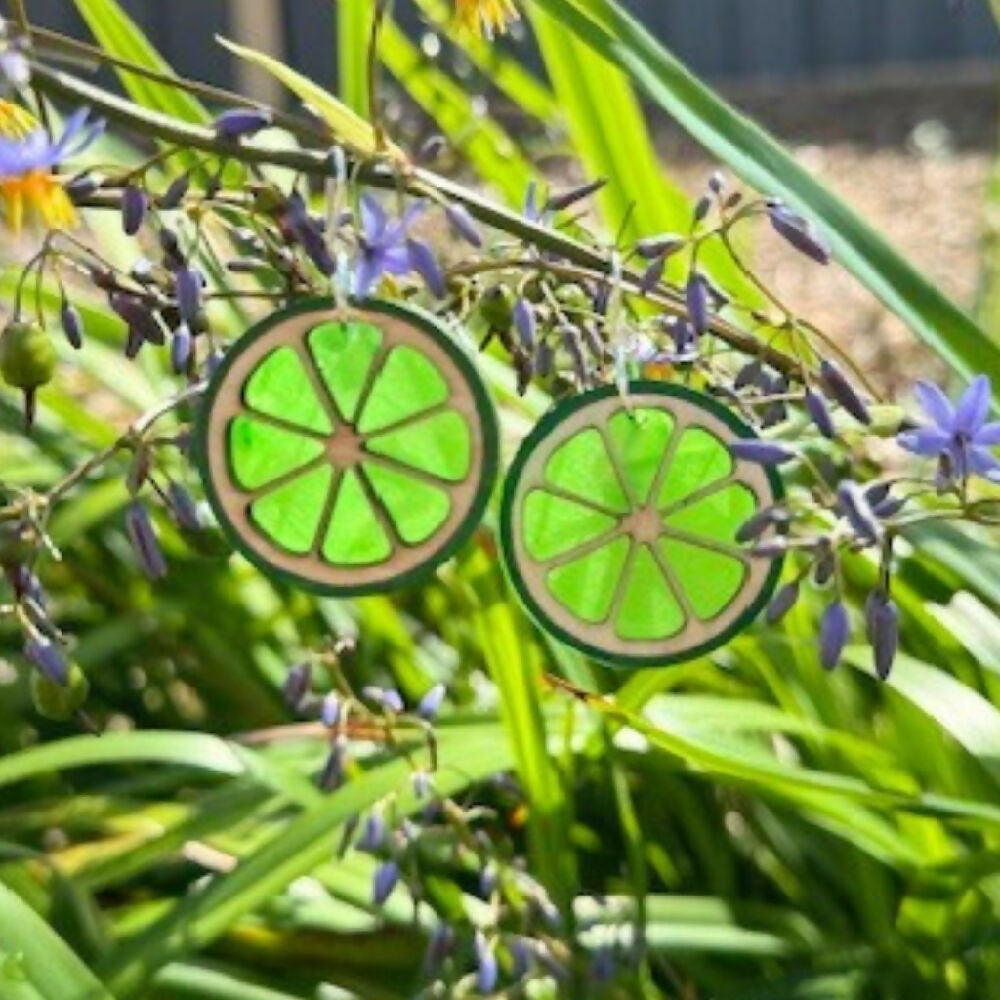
x=719 y=38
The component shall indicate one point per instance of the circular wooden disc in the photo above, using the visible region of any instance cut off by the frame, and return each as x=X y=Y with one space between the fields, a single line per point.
x=347 y=485
x=618 y=523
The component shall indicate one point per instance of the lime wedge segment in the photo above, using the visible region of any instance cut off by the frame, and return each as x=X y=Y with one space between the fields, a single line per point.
x=280 y=387
x=439 y=445
x=640 y=440
x=709 y=579
x=344 y=353
x=415 y=507
x=587 y=586
x=355 y=536
x=649 y=609
x=290 y=514
x=261 y=452
x=581 y=466
x=699 y=460
x=717 y=516
x=554 y=524
x=408 y=384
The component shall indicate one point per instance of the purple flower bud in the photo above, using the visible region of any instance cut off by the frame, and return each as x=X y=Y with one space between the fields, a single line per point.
x=421 y=782
x=876 y=493
x=297 y=684
x=773 y=548
x=783 y=602
x=330 y=710
x=560 y=202
x=524 y=323
x=858 y=511
x=213 y=361
x=716 y=182
x=653 y=274
x=602 y=967
x=423 y=261
x=843 y=392
x=748 y=375
x=820 y=413
x=82 y=186
x=176 y=192
x=373 y=833
x=799 y=232
x=664 y=245
x=697 y=297
x=72 y=325
x=385 y=880
x=487 y=971
x=388 y=698
x=439 y=947
x=834 y=630
x=138 y=316
x=239 y=122
x=463 y=224
x=180 y=348
x=431 y=702
x=144 y=541
x=890 y=507
x=134 y=205
x=544 y=359
x=885 y=636
x=333 y=771
x=522 y=957
x=761 y=452
x=826 y=564
x=756 y=525
x=188 y=283
x=702 y=207
x=183 y=507
x=49 y=659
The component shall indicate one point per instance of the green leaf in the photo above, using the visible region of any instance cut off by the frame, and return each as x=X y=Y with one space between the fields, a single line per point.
x=354 y=25
x=29 y=948
x=761 y=162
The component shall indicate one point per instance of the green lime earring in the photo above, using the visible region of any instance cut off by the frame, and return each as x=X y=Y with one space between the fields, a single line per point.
x=347 y=449
x=619 y=522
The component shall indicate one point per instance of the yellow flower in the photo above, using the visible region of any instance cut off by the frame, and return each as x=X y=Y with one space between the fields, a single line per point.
x=28 y=188
x=486 y=16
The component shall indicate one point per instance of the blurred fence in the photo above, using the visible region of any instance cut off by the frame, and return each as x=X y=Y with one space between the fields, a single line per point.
x=719 y=38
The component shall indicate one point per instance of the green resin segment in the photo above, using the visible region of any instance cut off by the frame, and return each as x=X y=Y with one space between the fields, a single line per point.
x=407 y=385
x=344 y=354
x=581 y=466
x=554 y=525
x=260 y=453
x=699 y=460
x=440 y=445
x=717 y=516
x=587 y=585
x=710 y=580
x=280 y=387
x=649 y=610
x=356 y=536
x=290 y=514
x=640 y=441
x=416 y=508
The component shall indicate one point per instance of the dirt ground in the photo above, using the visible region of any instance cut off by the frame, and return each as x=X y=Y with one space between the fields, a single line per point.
x=914 y=156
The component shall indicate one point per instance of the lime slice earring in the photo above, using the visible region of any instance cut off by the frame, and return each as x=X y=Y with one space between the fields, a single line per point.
x=349 y=450
x=619 y=522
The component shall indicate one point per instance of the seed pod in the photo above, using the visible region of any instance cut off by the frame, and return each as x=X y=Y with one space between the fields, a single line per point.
x=49 y=659
x=761 y=452
x=799 y=232
x=560 y=202
x=423 y=261
x=820 y=414
x=188 y=282
x=27 y=362
x=144 y=541
x=783 y=602
x=72 y=325
x=885 y=636
x=834 y=631
x=696 y=296
x=843 y=392
x=134 y=206
x=385 y=880
x=236 y=123
x=463 y=224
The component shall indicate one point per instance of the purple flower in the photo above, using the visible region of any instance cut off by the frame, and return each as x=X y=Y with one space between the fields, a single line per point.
x=36 y=151
x=382 y=245
x=958 y=433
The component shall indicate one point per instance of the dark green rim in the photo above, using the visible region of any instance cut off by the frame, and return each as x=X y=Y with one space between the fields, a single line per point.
x=541 y=430
x=488 y=428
